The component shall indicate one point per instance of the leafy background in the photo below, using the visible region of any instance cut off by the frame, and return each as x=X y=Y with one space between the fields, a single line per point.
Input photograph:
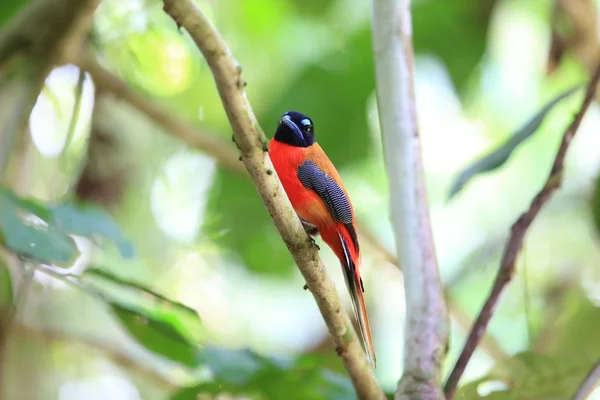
x=157 y=273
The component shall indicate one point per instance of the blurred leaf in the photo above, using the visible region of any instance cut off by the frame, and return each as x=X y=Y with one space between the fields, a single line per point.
x=26 y=230
x=312 y=8
x=245 y=372
x=90 y=221
x=121 y=293
x=157 y=336
x=578 y=327
x=595 y=204
x=530 y=376
x=459 y=45
x=6 y=289
x=340 y=116
x=574 y=349
x=334 y=92
x=137 y=286
x=500 y=155
x=9 y=9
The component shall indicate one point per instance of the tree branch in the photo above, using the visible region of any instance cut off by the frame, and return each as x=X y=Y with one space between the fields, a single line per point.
x=590 y=382
x=225 y=155
x=515 y=241
x=47 y=31
x=427 y=324
x=221 y=150
x=253 y=147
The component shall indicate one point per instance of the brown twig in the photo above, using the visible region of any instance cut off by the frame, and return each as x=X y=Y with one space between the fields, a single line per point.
x=252 y=144
x=515 y=241
x=590 y=382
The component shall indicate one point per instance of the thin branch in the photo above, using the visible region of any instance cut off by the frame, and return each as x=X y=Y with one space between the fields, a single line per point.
x=427 y=324
x=225 y=155
x=488 y=344
x=78 y=96
x=515 y=241
x=591 y=381
x=192 y=136
x=253 y=147
x=26 y=97
x=46 y=31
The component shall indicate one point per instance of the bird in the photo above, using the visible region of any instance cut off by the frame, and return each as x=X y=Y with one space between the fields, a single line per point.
x=317 y=193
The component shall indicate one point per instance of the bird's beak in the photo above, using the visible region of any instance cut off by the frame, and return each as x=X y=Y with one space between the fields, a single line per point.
x=290 y=124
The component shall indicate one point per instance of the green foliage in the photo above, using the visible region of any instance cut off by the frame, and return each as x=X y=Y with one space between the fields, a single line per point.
x=90 y=221
x=531 y=376
x=9 y=9
x=595 y=204
x=6 y=289
x=499 y=156
x=41 y=232
x=157 y=335
x=554 y=375
x=123 y=295
x=163 y=327
x=459 y=45
x=245 y=372
x=234 y=198
x=34 y=237
x=578 y=328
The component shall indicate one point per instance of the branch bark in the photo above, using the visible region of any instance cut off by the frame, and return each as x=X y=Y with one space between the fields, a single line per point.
x=515 y=241
x=427 y=323
x=591 y=381
x=252 y=144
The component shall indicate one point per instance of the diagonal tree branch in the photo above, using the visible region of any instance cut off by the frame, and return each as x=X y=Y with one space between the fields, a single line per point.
x=427 y=324
x=515 y=241
x=253 y=147
x=210 y=143
x=225 y=155
x=591 y=381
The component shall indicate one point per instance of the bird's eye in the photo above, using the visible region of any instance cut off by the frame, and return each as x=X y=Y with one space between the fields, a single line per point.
x=307 y=124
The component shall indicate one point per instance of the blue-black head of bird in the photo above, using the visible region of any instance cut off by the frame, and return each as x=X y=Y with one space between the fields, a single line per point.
x=295 y=129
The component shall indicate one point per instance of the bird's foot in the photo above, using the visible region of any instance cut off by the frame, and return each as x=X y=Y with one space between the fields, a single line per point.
x=311 y=230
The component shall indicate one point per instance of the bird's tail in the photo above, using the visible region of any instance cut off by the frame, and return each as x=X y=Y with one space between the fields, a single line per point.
x=356 y=289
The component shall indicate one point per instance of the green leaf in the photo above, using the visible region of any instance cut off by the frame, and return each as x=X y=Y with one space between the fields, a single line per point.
x=9 y=9
x=121 y=293
x=26 y=230
x=531 y=376
x=499 y=156
x=573 y=350
x=460 y=46
x=143 y=289
x=245 y=372
x=90 y=221
x=6 y=289
x=578 y=328
x=157 y=336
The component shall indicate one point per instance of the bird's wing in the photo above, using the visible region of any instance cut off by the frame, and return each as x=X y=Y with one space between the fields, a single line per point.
x=334 y=197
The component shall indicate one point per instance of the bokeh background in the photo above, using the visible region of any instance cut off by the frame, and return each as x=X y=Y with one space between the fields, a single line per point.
x=200 y=235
